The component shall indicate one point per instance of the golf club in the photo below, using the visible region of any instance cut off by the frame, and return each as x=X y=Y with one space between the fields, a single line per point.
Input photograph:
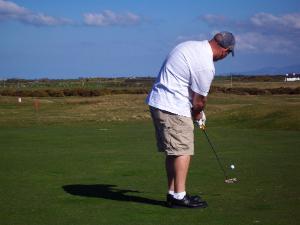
x=227 y=180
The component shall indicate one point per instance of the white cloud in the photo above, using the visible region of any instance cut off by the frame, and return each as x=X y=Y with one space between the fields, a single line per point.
x=41 y=19
x=11 y=11
x=256 y=42
x=107 y=18
x=259 y=22
x=287 y=21
x=261 y=33
x=214 y=19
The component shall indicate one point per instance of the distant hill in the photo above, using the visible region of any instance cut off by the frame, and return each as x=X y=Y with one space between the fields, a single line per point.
x=273 y=70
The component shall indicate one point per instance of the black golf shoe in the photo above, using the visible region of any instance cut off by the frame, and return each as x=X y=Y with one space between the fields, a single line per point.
x=186 y=202
x=194 y=198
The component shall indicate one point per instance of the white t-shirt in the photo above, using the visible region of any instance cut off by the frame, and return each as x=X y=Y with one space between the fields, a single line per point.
x=189 y=66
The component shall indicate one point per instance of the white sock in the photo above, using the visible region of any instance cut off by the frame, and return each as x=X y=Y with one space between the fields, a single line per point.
x=179 y=195
x=171 y=192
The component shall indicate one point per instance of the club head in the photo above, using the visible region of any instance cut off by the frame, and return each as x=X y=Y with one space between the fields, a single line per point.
x=231 y=180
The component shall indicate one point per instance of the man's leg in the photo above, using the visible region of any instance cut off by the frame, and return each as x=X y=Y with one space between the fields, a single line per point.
x=177 y=169
x=170 y=172
x=181 y=165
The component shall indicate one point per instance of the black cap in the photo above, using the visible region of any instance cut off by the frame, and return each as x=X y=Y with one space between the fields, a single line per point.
x=226 y=40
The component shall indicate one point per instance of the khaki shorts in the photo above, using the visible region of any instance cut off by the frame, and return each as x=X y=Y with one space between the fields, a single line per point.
x=174 y=133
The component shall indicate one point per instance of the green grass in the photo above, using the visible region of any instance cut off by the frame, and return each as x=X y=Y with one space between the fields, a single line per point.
x=113 y=175
x=66 y=164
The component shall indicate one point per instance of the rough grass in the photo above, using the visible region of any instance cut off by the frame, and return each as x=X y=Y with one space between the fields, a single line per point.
x=248 y=82
x=261 y=112
x=73 y=109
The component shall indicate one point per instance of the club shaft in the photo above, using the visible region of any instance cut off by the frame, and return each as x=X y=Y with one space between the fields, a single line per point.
x=216 y=155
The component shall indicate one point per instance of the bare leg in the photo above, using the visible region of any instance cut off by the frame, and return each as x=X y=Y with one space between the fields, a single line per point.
x=170 y=171
x=177 y=169
x=181 y=170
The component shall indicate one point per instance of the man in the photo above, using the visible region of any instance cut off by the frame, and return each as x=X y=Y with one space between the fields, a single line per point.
x=178 y=98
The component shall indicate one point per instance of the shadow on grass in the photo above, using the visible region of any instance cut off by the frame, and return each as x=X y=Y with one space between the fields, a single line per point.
x=108 y=191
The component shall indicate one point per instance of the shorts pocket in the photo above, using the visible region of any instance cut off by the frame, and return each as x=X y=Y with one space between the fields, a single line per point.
x=181 y=134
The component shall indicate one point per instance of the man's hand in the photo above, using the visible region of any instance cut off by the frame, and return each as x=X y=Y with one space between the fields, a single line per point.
x=198 y=114
x=198 y=102
x=201 y=122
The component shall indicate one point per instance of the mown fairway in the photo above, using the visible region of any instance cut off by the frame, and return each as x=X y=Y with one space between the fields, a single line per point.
x=93 y=161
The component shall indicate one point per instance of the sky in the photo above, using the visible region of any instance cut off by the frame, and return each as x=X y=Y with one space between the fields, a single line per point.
x=94 y=38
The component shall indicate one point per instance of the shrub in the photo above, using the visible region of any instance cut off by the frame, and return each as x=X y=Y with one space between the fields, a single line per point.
x=280 y=91
x=69 y=92
x=40 y=93
x=55 y=93
x=23 y=93
x=99 y=92
x=7 y=92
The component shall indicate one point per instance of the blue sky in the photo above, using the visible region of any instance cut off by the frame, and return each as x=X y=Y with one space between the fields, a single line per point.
x=71 y=39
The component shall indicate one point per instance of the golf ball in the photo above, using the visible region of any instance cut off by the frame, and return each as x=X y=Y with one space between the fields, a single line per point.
x=232 y=166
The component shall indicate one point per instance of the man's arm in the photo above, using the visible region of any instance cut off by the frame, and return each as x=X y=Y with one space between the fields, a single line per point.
x=198 y=102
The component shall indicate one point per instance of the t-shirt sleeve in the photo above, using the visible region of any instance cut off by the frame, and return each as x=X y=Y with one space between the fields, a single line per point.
x=201 y=81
